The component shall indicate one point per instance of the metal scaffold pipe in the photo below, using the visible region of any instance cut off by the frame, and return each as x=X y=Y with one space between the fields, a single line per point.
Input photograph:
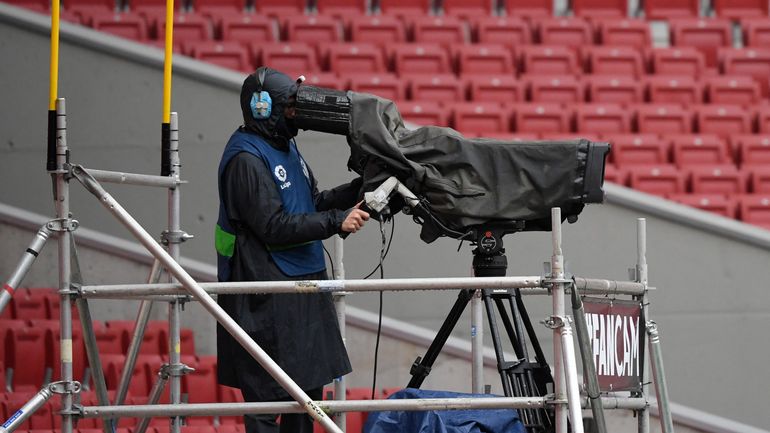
x=18 y=274
x=206 y=301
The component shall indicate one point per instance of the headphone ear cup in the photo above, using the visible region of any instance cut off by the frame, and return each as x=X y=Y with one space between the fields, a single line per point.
x=261 y=105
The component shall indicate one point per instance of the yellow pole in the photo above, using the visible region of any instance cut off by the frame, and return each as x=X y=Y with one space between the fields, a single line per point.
x=54 y=55
x=165 y=127
x=167 y=61
x=53 y=87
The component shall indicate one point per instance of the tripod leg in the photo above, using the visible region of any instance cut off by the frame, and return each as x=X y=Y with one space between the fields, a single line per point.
x=539 y=355
x=422 y=365
x=501 y=364
x=513 y=335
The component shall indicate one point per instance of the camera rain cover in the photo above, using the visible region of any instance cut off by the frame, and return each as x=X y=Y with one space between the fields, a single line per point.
x=472 y=181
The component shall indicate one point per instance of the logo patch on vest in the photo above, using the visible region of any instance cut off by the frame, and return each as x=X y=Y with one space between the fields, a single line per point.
x=280 y=173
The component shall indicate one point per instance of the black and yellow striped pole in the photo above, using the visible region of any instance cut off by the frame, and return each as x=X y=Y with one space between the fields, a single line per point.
x=165 y=137
x=54 y=84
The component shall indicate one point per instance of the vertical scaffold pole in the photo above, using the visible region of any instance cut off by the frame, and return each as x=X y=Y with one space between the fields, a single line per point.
x=18 y=274
x=557 y=297
x=340 y=385
x=62 y=203
x=477 y=343
x=174 y=238
x=641 y=276
x=659 y=375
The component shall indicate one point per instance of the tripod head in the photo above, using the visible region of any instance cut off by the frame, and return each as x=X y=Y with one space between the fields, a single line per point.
x=489 y=258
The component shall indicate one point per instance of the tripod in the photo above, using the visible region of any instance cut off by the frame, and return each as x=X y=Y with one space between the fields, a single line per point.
x=520 y=378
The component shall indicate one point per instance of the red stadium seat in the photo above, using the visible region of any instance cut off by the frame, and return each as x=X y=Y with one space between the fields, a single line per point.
x=759 y=179
x=508 y=31
x=231 y=55
x=23 y=354
x=753 y=150
x=227 y=394
x=188 y=29
x=734 y=10
x=704 y=149
x=661 y=180
x=483 y=59
x=85 y=9
x=668 y=9
x=549 y=60
x=716 y=203
x=614 y=90
x=41 y=6
x=31 y=303
x=112 y=340
x=128 y=26
x=619 y=61
x=570 y=136
x=756 y=32
x=313 y=29
x=732 y=90
x=755 y=209
x=348 y=57
x=405 y=8
x=600 y=8
x=219 y=8
x=247 y=29
x=201 y=385
x=341 y=8
x=561 y=89
x=53 y=347
x=528 y=8
x=752 y=62
x=680 y=61
x=424 y=113
x=496 y=88
x=707 y=35
x=663 y=119
x=155 y=340
x=566 y=32
x=541 y=118
x=438 y=88
x=625 y=32
x=379 y=29
x=721 y=179
x=293 y=59
x=602 y=119
x=468 y=8
x=280 y=8
x=383 y=85
x=446 y=31
x=479 y=118
x=615 y=175
x=410 y=59
x=638 y=149
x=326 y=79
x=674 y=90
x=723 y=120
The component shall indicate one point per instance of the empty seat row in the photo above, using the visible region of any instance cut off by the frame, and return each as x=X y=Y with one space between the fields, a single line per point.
x=478 y=118
x=652 y=9
x=565 y=89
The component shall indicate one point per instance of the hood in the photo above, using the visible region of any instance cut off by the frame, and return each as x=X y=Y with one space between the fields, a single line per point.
x=280 y=87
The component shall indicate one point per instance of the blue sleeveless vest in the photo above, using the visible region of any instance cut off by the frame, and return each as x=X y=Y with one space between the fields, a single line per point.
x=293 y=181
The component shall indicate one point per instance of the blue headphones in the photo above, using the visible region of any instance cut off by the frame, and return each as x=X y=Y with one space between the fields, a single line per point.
x=261 y=104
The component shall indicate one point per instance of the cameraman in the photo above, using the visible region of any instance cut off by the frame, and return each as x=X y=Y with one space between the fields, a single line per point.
x=272 y=219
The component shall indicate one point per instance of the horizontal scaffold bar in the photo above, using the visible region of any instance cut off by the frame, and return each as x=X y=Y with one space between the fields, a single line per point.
x=233 y=409
x=134 y=179
x=528 y=286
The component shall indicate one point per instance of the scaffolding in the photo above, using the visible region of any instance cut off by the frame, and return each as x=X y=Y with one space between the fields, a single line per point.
x=566 y=400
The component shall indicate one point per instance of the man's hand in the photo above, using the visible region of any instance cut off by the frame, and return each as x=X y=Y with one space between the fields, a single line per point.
x=355 y=219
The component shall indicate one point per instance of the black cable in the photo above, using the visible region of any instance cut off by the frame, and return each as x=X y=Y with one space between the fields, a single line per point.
x=383 y=253
x=387 y=250
x=331 y=262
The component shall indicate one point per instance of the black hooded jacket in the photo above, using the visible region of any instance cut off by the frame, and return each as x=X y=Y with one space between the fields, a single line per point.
x=294 y=329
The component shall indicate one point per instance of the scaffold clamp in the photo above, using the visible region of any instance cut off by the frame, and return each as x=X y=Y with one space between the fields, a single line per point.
x=65 y=387
x=62 y=225
x=174 y=370
x=556 y=322
x=174 y=237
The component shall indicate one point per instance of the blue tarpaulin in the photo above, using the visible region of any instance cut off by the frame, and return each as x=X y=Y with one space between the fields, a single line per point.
x=443 y=421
